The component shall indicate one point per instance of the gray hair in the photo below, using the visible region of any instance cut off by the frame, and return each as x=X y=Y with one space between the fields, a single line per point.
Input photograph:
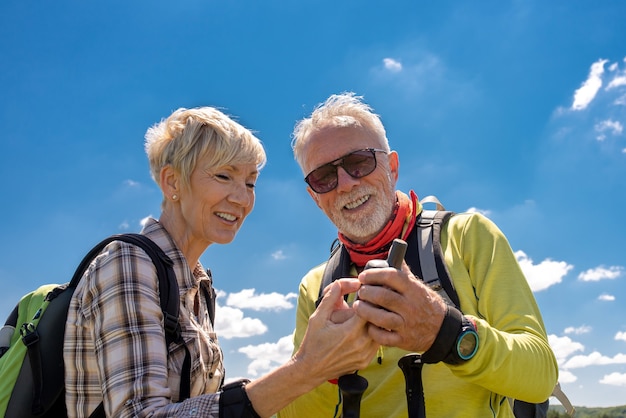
x=339 y=110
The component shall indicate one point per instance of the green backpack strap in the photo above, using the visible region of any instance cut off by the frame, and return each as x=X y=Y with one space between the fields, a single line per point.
x=28 y=310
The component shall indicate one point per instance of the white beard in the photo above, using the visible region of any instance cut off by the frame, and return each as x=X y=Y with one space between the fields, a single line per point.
x=361 y=227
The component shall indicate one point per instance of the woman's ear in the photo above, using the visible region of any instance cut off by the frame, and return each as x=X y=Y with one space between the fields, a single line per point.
x=170 y=183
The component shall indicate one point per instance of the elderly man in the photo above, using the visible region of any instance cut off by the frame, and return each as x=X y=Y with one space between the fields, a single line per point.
x=351 y=174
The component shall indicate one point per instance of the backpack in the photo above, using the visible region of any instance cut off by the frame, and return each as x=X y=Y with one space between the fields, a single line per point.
x=425 y=258
x=31 y=342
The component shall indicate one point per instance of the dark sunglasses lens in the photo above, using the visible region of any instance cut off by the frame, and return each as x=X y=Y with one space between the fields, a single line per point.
x=323 y=179
x=359 y=164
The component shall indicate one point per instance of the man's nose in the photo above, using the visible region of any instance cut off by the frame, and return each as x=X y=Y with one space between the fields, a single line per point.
x=345 y=182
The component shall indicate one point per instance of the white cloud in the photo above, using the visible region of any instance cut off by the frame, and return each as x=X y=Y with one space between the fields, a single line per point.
x=620 y=336
x=600 y=273
x=563 y=347
x=587 y=92
x=124 y=225
x=542 y=275
x=247 y=299
x=614 y=379
x=565 y=376
x=131 y=183
x=606 y=297
x=611 y=125
x=265 y=357
x=594 y=359
x=421 y=73
x=392 y=65
x=615 y=127
x=584 y=329
x=484 y=212
x=616 y=82
x=278 y=255
x=230 y=323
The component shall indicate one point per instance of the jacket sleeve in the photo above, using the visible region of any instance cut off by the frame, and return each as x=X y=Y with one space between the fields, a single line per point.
x=514 y=358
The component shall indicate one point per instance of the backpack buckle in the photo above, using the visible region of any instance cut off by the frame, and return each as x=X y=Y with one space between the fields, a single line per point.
x=434 y=284
x=170 y=324
x=29 y=334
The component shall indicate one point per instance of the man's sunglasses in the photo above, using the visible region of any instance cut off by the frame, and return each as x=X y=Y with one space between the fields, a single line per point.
x=357 y=164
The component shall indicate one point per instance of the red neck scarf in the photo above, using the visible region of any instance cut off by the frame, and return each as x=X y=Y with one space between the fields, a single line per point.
x=398 y=226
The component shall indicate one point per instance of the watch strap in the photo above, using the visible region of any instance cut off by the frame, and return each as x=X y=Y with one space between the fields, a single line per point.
x=445 y=341
x=234 y=401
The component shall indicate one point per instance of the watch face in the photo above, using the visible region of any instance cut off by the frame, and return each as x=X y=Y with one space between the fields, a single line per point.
x=467 y=345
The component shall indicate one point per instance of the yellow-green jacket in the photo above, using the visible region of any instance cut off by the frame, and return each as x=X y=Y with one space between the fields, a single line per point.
x=513 y=360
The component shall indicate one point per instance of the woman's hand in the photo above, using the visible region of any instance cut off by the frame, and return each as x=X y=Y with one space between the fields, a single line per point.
x=337 y=340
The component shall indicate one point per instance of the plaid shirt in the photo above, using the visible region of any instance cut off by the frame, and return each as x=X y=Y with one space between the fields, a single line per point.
x=114 y=345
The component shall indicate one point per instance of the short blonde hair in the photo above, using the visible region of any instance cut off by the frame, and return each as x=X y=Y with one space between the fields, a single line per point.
x=189 y=134
x=339 y=110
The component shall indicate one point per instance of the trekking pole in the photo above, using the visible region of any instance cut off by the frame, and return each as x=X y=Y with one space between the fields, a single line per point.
x=353 y=386
x=411 y=366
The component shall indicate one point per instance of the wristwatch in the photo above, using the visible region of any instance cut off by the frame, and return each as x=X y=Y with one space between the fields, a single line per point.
x=466 y=344
x=456 y=341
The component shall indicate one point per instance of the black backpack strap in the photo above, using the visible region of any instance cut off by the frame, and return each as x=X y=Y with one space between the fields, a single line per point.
x=338 y=265
x=169 y=299
x=168 y=296
x=434 y=271
x=209 y=295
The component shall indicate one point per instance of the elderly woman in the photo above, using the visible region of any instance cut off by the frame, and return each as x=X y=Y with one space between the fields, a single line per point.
x=206 y=166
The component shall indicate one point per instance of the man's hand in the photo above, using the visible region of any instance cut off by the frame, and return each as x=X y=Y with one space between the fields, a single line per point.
x=401 y=310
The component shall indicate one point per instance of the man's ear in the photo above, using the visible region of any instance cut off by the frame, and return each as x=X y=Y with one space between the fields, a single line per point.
x=394 y=165
x=315 y=196
x=170 y=183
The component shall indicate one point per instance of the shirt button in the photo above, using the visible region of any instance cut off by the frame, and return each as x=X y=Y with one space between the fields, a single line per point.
x=193 y=412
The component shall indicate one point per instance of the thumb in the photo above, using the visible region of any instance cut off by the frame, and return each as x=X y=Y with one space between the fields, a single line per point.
x=332 y=298
x=338 y=289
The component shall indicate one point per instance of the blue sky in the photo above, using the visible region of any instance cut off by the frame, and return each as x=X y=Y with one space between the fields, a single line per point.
x=512 y=108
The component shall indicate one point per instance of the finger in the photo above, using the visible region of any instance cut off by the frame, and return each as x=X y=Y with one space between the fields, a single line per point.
x=341 y=316
x=388 y=277
x=334 y=293
x=384 y=297
x=348 y=285
x=383 y=336
x=377 y=316
x=331 y=300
